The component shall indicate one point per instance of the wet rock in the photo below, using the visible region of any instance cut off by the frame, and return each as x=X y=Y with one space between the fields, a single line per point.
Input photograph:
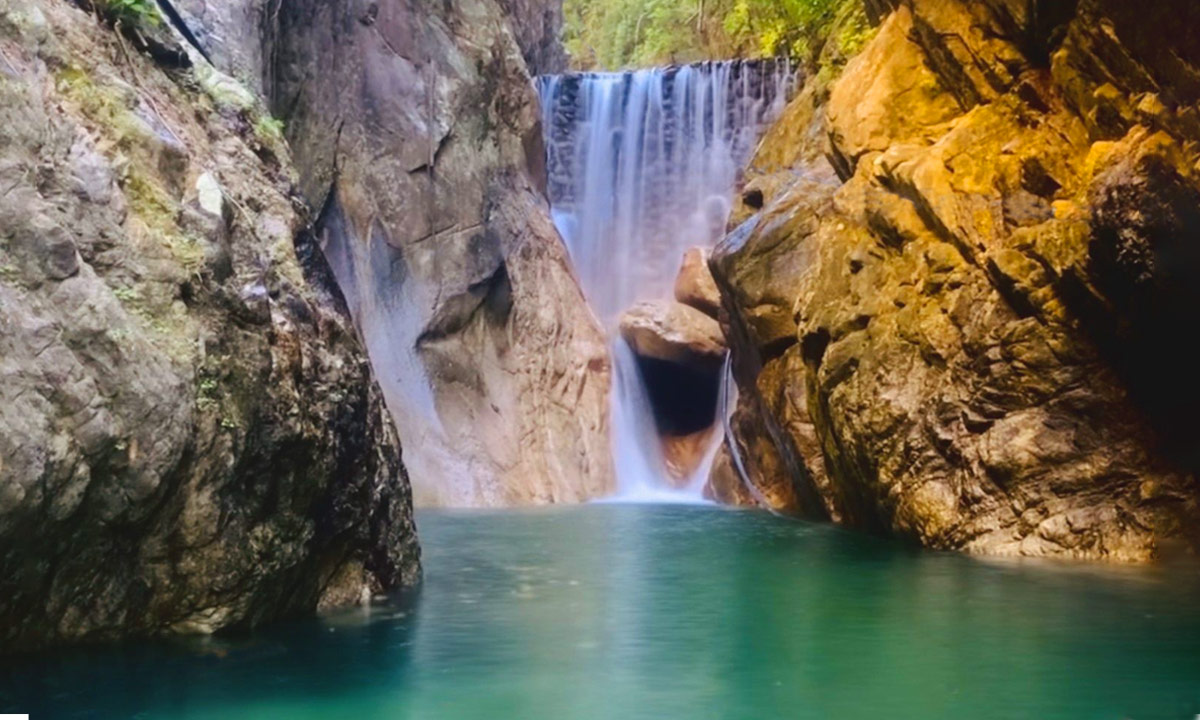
x=725 y=484
x=685 y=454
x=674 y=333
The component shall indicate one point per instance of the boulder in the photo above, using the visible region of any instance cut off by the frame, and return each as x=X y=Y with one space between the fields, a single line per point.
x=673 y=332
x=695 y=286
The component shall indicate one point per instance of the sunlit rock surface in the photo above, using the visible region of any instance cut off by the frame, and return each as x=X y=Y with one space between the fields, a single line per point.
x=968 y=325
x=695 y=286
x=190 y=436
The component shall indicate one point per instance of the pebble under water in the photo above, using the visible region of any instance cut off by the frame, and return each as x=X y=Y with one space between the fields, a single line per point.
x=689 y=612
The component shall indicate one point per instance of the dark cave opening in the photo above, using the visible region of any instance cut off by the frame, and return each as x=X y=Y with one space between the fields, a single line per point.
x=683 y=397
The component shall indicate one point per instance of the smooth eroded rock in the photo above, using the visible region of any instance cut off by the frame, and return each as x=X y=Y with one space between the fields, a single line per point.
x=695 y=286
x=685 y=454
x=673 y=332
x=417 y=128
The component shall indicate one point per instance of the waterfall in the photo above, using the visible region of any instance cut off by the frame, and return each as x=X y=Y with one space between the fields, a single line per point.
x=637 y=453
x=641 y=167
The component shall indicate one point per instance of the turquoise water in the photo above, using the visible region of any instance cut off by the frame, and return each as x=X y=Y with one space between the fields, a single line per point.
x=630 y=612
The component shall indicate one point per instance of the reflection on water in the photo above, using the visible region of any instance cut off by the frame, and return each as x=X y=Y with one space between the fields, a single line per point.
x=623 y=611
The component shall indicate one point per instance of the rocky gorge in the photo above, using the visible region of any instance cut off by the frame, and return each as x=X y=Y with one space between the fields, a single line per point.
x=272 y=272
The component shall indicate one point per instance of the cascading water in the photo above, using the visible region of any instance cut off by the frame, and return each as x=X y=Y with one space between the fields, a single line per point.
x=641 y=168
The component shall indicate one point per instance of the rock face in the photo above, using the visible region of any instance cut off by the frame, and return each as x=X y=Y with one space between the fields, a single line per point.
x=968 y=326
x=417 y=129
x=537 y=25
x=190 y=437
x=695 y=286
x=684 y=456
x=233 y=34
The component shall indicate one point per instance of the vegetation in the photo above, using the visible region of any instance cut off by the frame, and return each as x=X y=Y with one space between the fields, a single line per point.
x=268 y=129
x=127 y=294
x=631 y=33
x=130 y=12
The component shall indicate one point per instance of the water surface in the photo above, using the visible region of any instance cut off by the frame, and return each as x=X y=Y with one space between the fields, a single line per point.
x=630 y=612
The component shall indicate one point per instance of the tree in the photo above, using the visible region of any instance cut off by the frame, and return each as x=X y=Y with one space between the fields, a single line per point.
x=631 y=33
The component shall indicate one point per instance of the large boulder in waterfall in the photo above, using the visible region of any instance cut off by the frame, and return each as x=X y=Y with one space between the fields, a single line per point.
x=190 y=435
x=673 y=332
x=416 y=127
x=964 y=330
x=694 y=286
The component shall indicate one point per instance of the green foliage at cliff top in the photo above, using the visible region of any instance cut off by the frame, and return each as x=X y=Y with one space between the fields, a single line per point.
x=616 y=34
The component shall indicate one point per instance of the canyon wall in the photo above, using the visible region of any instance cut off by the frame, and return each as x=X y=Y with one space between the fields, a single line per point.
x=416 y=129
x=190 y=435
x=538 y=26
x=959 y=288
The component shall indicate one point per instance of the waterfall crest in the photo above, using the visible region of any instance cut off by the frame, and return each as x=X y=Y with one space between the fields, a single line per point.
x=641 y=167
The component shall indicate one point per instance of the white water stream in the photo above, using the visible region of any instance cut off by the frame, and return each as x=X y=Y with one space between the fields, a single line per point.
x=641 y=168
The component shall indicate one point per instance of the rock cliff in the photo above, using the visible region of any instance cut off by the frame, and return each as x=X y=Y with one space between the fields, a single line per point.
x=538 y=25
x=190 y=436
x=417 y=129
x=959 y=300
